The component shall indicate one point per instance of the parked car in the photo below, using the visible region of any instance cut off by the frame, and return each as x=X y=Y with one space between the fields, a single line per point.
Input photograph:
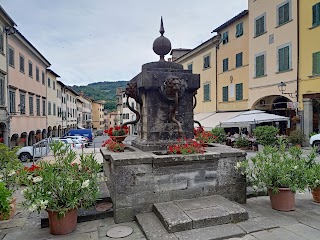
x=81 y=139
x=81 y=132
x=315 y=141
x=78 y=144
x=28 y=152
x=69 y=142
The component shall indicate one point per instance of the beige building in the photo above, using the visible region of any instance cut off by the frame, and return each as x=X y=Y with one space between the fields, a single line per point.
x=273 y=56
x=27 y=91
x=53 y=103
x=6 y=30
x=112 y=119
x=202 y=60
x=233 y=64
x=98 y=115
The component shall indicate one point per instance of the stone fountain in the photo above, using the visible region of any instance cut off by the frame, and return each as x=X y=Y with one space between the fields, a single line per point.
x=144 y=174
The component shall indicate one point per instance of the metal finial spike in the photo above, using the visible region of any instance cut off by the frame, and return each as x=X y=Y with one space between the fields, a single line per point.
x=161 y=27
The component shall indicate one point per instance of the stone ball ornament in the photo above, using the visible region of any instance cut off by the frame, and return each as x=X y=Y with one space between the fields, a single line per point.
x=161 y=45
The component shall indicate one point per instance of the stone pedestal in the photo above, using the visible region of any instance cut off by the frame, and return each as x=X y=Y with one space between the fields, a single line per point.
x=138 y=179
x=156 y=129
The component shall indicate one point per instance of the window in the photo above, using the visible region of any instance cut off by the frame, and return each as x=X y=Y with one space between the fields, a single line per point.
x=225 y=64
x=49 y=82
x=260 y=65
x=43 y=107
x=11 y=56
x=225 y=37
x=284 y=13
x=12 y=96
x=239 y=29
x=190 y=67
x=43 y=81
x=239 y=91
x=206 y=92
x=1 y=42
x=54 y=109
x=206 y=61
x=37 y=74
x=22 y=103
x=38 y=106
x=21 y=58
x=284 y=58
x=2 y=91
x=316 y=63
x=30 y=104
x=225 y=94
x=49 y=108
x=260 y=25
x=30 y=70
x=316 y=15
x=239 y=60
x=54 y=85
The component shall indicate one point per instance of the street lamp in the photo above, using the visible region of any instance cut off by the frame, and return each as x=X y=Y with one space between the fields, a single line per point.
x=282 y=88
x=10 y=30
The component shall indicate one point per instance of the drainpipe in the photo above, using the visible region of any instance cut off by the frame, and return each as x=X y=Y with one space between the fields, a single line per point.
x=8 y=118
x=298 y=49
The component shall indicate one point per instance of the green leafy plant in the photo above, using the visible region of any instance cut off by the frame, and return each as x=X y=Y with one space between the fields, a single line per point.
x=9 y=166
x=296 y=137
x=275 y=168
x=312 y=134
x=62 y=184
x=220 y=134
x=242 y=142
x=313 y=176
x=266 y=135
x=5 y=198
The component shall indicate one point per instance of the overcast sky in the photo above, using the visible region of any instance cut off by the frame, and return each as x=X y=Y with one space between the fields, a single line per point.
x=102 y=40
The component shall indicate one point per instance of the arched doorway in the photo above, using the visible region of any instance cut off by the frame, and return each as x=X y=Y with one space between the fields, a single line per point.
x=3 y=133
x=59 y=131
x=38 y=135
x=44 y=133
x=24 y=139
x=50 y=133
x=14 y=140
x=55 y=132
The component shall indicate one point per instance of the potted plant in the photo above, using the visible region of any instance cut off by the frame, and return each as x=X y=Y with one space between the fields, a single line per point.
x=265 y=135
x=313 y=178
x=242 y=143
x=281 y=173
x=188 y=146
x=9 y=166
x=113 y=146
x=296 y=137
x=295 y=119
x=61 y=187
x=220 y=134
x=118 y=133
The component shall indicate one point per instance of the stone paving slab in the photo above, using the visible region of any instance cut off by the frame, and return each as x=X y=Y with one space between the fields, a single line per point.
x=257 y=224
x=208 y=217
x=153 y=228
x=303 y=230
x=277 y=234
x=196 y=203
x=172 y=217
x=211 y=233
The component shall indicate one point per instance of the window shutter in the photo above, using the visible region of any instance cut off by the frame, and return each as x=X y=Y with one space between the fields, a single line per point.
x=286 y=58
x=314 y=14
x=316 y=63
x=281 y=15
x=318 y=13
x=286 y=12
x=281 y=59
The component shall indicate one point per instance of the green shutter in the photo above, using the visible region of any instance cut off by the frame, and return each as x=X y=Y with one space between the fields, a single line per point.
x=239 y=60
x=239 y=91
x=206 y=92
x=281 y=15
x=225 y=94
x=316 y=15
x=284 y=59
x=260 y=66
x=316 y=63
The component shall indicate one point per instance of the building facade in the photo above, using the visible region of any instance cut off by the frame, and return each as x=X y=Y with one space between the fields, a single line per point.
x=233 y=64
x=309 y=65
x=98 y=115
x=27 y=91
x=273 y=57
x=6 y=29
x=53 y=103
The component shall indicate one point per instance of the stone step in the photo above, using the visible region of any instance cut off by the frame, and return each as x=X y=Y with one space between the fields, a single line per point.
x=187 y=214
x=153 y=228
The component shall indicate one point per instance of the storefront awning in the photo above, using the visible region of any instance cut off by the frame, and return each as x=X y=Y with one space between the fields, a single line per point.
x=252 y=117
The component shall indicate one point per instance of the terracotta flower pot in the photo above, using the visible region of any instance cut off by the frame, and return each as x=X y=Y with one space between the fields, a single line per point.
x=64 y=225
x=316 y=194
x=13 y=205
x=118 y=139
x=282 y=201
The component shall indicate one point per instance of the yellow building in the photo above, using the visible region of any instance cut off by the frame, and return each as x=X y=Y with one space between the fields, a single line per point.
x=233 y=64
x=273 y=55
x=202 y=60
x=98 y=115
x=309 y=64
